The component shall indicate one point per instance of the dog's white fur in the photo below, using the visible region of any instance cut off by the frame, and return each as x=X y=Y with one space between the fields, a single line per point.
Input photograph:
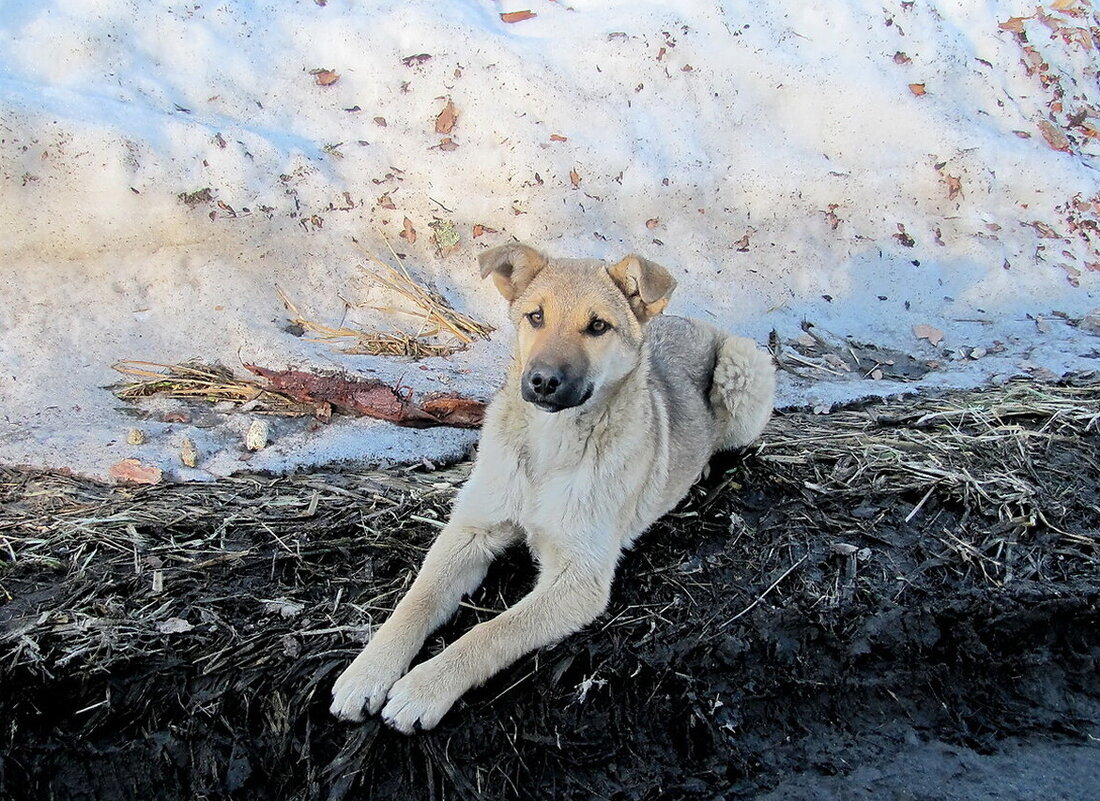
x=579 y=485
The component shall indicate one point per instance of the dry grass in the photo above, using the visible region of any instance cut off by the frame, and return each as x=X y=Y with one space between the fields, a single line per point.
x=434 y=329
x=194 y=381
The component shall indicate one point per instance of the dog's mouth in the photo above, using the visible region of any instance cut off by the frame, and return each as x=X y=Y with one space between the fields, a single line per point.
x=552 y=408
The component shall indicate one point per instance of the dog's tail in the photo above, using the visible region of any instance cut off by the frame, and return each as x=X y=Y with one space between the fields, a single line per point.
x=742 y=393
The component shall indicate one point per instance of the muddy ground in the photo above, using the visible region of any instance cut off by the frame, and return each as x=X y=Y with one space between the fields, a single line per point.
x=897 y=600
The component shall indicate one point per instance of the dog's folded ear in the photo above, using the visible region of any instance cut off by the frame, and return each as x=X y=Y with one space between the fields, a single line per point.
x=646 y=284
x=513 y=267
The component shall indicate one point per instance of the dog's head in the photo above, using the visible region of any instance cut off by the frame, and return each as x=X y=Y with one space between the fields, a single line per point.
x=580 y=323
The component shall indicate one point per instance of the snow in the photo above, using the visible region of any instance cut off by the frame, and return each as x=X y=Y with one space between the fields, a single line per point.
x=717 y=120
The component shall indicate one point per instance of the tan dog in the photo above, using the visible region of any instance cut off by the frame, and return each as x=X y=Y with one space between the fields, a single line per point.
x=605 y=420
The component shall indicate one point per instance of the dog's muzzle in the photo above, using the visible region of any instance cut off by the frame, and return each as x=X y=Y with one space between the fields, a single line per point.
x=552 y=388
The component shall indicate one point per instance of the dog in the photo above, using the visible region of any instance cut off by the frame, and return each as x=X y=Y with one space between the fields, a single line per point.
x=609 y=413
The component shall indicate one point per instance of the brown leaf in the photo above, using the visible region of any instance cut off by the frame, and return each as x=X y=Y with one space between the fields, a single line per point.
x=517 y=16
x=742 y=244
x=1015 y=24
x=1063 y=5
x=933 y=335
x=917 y=89
x=131 y=471
x=1054 y=136
x=416 y=60
x=652 y=223
x=385 y=202
x=1092 y=266
x=479 y=230
x=558 y=138
x=447 y=144
x=575 y=178
x=445 y=122
x=380 y=121
x=325 y=77
x=954 y=186
x=901 y=58
x=409 y=234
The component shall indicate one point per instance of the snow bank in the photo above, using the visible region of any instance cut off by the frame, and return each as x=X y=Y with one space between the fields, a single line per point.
x=864 y=166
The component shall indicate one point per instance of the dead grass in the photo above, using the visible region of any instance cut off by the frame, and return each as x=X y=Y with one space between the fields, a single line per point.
x=434 y=327
x=194 y=381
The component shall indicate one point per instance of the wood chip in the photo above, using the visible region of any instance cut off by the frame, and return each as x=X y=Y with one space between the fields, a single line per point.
x=517 y=16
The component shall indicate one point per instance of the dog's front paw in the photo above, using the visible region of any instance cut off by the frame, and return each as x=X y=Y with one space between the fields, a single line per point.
x=423 y=696
x=364 y=685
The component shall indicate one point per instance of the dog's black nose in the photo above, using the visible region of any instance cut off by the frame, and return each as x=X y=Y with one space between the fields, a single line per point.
x=553 y=387
x=544 y=382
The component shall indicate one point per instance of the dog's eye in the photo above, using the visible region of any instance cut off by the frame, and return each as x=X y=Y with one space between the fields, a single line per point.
x=598 y=327
x=535 y=318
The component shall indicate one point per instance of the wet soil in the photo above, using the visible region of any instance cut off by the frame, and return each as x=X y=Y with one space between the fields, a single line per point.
x=807 y=625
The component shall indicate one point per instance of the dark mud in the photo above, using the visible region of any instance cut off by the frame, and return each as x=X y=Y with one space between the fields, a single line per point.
x=895 y=601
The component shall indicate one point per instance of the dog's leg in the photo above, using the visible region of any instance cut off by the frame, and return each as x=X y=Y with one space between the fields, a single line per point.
x=742 y=393
x=567 y=597
x=454 y=566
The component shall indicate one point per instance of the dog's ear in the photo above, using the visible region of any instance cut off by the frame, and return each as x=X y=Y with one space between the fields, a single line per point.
x=513 y=267
x=646 y=284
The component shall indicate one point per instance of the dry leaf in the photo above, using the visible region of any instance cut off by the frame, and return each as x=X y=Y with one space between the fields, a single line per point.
x=742 y=244
x=917 y=89
x=445 y=122
x=954 y=186
x=131 y=471
x=135 y=436
x=447 y=144
x=385 y=202
x=1063 y=5
x=575 y=177
x=933 y=335
x=517 y=16
x=325 y=77
x=483 y=229
x=409 y=234
x=1054 y=136
x=380 y=121
x=1092 y=266
x=901 y=58
x=558 y=138
x=1016 y=24
x=652 y=223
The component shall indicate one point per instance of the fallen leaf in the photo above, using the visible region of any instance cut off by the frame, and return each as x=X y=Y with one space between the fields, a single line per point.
x=385 y=202
x=904 y=238
x=135 y=436
x=447 y=144
x=409 y=234
x=901 y=58
x=325 y=77
x=445 y=122
x=479 y=230
x=417 y=60
x=1015 y=24
x=380 y=121
x=954 y=186
x=517 y=16
x=1063 y=5
x=742 y=244
x=917 y=89
x=558 y=138
x=1092 y=266
x=131 y=471
x=1054 y=136
x=575 y=178
x=1073 y=275
x=652 y=223
x=924 y=331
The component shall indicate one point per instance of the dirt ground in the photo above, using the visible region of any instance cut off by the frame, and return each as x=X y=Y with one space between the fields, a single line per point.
x=897 y=600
